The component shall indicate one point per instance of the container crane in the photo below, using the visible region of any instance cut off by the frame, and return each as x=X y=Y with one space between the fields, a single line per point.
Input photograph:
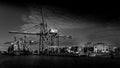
x=46 y=37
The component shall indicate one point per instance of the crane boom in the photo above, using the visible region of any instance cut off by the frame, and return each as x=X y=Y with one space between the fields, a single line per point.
x=29 y=33
x=32 y=33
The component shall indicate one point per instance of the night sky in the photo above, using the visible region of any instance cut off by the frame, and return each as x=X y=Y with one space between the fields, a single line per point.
x=83 y=21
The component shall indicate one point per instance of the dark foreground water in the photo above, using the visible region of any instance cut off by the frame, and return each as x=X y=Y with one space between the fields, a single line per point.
x=56 y=62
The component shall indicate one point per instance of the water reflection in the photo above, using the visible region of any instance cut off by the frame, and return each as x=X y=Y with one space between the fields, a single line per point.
x=54 y=62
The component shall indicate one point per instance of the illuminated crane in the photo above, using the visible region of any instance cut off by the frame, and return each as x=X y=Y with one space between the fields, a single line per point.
x=47 y=37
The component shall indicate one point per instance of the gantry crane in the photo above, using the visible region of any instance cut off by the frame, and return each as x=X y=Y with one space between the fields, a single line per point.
x=47 y=36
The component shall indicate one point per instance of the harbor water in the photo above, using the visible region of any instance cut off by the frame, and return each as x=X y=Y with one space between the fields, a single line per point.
x=35 y=61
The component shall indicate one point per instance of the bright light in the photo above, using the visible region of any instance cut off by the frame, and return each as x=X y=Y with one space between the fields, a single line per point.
x=32 y=41
x=12 y=43
x=54 y=30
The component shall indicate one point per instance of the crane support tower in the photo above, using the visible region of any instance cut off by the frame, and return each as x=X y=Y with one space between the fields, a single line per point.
x=47 y=37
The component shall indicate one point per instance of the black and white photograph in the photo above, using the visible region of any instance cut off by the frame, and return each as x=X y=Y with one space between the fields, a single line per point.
x=59 y=34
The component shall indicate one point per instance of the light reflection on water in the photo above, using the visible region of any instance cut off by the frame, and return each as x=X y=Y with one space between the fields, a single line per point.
x=53 y=61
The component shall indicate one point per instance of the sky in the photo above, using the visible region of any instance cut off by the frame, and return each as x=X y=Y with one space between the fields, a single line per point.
x=82 y=23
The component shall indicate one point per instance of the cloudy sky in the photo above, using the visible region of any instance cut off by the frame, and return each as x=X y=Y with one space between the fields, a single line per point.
x=83 y=23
